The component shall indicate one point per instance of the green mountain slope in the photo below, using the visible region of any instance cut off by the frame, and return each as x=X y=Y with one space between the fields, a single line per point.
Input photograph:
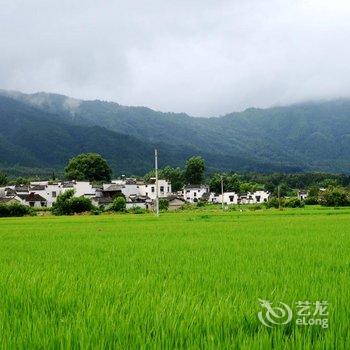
x=310 y=136
x=32 y=138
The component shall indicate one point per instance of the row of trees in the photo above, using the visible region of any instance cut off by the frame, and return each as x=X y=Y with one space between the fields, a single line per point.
x=92 y=167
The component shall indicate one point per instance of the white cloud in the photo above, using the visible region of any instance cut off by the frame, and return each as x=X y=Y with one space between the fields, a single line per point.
x=201 y=57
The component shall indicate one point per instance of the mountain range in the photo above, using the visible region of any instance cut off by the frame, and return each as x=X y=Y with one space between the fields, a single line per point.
x=40 y=132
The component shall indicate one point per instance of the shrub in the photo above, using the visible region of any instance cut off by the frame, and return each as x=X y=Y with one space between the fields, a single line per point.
x=311 y=200
x=201 y=203
x=137 y=210
x=61 y=206
x=80 y=204
x=294 y=203
x=15 y=210
x=335 y=197
x=187 y=206
x=255 y=207
x=119 y=204
x=163 y=204
x=66 y=204
x=274 y=203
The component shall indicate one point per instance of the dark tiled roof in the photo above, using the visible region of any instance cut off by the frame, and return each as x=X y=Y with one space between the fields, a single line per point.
x=138 y=199
x=37 y=187
x=21 y=188
x=113 y=188
x=32 y=197
x=7 y=199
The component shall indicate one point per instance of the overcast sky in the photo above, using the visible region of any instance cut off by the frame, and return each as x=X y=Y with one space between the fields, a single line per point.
x=197 y=56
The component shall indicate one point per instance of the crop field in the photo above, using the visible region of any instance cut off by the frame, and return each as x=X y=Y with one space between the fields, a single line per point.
x=184 y=280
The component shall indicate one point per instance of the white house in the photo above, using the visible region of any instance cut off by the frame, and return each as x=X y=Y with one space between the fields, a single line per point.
x=228 y=198
x=243 y=198
x=261 y=196
x=302 y=195
x=83 y=188
x=50 y=191
x=193 y=193
x=33 y=200
x=149 y=188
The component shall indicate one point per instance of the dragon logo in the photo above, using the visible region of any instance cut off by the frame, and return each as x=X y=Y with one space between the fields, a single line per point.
x=277 y=315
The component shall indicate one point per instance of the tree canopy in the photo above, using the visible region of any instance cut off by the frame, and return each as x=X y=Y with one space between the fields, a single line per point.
x=89 y=167
x=3 y=178
x=194 y=172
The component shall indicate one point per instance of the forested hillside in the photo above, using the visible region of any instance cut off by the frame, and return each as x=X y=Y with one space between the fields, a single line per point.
x=310 y=136
x=34 y=139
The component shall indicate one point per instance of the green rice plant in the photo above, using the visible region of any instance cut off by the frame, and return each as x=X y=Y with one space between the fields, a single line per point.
x=185 y=280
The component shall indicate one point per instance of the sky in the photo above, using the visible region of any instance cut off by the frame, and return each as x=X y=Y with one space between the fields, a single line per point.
x=202 y=57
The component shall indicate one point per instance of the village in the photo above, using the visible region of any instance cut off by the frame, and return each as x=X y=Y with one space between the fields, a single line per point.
x=137 y=194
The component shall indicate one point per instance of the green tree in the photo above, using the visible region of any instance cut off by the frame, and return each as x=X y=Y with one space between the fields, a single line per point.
x=314 y=191
x=231 y=183
x=119 y=204
x=163 y=204
x=3 y=178
x=294 y=203
x=335 y=197
x=88 y=166
x=194 y=172
x=62 y=205
x=67 y=204
x=174 y=175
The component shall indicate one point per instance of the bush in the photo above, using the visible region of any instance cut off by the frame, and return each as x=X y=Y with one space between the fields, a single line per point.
x=294 y=203
x=15 y=210
x=335 y=197
x=201 y=204
x=187 y=206
x=80 y=204
x=119 y=204
x=274 y=203
x=163 y=204
x=66 y=204
x=137 y=210
x=255 y=207
x=311 y=200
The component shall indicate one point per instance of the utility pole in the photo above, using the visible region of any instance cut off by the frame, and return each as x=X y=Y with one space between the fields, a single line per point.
x=157 y=192
x=222 y=192
x=279 y=197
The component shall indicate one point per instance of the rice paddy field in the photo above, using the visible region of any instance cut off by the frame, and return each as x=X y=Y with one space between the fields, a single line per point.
x=187 y=280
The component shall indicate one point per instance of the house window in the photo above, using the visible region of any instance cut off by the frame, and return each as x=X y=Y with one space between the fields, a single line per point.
x=188 y=191
x=146 y=193
x=161 y=188
x=31 y=204
x=43 y=204
x=54 y=194
x=258 y=198
x=168 y=189
x=231 y=198
x=195 y=194
x=152 y=189
x=188 y=198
